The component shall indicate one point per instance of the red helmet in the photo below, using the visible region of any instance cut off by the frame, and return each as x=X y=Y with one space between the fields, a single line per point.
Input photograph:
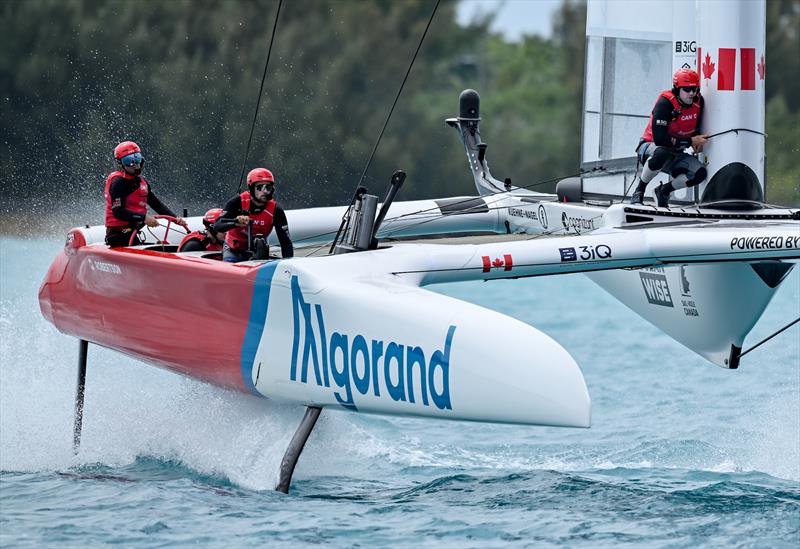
x=259 y=174
x=685 y=78
x=125 y=148
x=211 y=216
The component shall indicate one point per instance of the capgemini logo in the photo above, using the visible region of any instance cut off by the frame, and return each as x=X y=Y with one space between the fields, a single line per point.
x=399 y=371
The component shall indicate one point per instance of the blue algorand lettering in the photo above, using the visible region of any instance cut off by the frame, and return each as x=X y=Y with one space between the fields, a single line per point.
x=353 y=363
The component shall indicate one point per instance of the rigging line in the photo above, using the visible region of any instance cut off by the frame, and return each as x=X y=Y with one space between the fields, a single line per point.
x=386 y=122
x=397 y=97
x=260 y=93
x=792 y=323
x=635 y=175
x=737 y=130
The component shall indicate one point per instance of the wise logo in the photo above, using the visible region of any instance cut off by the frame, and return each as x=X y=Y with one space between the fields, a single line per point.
x=350 y=363
x=656 y=289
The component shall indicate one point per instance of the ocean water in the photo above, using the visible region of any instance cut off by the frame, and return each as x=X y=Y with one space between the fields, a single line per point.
x=681 y=453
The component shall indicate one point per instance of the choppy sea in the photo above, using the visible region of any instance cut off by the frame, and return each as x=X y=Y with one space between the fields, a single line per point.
x=681 y=453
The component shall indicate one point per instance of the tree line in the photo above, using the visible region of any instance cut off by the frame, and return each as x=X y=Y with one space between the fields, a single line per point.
x=182 y=77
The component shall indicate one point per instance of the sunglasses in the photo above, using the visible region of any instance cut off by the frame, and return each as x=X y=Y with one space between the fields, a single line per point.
x=690 y=89
x=133 y=159
x=264 y=186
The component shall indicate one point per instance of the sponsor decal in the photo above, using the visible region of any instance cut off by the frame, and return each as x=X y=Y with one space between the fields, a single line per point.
x=656 y=289
x=685 y=287
x=104 y=267
x=542 y=216
x=522 y=212
x=568 y=254
x=765 y=243
x=585 y=253
x=488 y=264
x=577 y=223
x=685 y=46
x=687 y=301
x=352 y=364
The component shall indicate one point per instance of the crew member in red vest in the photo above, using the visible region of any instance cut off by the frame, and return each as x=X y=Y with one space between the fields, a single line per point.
x=252 y=215
x=674 y=126
x=128 y=195
x=204 y=241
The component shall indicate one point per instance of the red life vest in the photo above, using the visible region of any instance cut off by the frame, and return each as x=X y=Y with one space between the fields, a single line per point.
x=202 y=236
x=683 y=125
x=260 y=224
x=135 y=202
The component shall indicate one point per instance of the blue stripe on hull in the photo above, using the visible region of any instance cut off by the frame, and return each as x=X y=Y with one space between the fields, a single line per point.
x=255 y=325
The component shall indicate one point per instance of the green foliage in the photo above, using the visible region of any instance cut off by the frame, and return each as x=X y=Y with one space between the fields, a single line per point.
x=783 y=151
x=182 y=77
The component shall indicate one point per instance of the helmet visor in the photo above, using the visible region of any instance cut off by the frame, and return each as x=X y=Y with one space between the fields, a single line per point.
x=133 y=159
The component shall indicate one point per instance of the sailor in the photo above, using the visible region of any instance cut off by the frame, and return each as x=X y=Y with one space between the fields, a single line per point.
x=128 y=195
x=204 y=241
x=674 y=126
x=252 y=215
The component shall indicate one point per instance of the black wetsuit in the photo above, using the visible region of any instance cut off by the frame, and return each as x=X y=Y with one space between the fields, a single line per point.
x=233 y=209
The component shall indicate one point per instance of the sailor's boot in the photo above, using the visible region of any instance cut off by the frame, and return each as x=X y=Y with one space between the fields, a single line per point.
x=638 y=195
x=662 y=193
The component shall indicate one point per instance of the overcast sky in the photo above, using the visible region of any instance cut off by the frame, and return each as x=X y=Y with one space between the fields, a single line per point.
x=514 y=17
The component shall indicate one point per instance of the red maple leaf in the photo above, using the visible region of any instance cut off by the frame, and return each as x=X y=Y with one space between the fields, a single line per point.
x=497 y=262
x=708 y=68
x=762 y=68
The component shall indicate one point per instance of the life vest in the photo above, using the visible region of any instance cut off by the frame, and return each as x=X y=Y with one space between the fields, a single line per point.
x=135 y=202
x=684 y=121
x=202 y=236
x=260 y=224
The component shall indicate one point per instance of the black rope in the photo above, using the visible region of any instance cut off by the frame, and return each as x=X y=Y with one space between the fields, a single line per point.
x=397 y=97
x=258 y=101
x=792 y=323
x=737 y=130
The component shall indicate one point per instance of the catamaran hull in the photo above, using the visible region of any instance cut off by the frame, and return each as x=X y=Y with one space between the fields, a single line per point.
x=308 y=331
x=708 y=308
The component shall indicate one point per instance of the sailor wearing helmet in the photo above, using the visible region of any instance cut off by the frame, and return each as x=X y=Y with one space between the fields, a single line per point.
x=128 y=195
x=208 y=240
x=674 y=126
x=252 y=215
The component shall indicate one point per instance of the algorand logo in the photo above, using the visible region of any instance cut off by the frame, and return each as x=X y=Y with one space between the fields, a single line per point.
x=349 y=361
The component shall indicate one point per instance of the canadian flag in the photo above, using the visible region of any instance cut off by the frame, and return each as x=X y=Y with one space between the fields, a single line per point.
x=488 y=264
x=724 y=66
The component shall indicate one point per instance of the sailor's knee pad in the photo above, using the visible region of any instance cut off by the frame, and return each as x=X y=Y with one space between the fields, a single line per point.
x=659 y=158
x=698 y=177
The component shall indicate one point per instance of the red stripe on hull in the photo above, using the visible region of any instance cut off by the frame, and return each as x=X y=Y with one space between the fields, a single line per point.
x=182 y=313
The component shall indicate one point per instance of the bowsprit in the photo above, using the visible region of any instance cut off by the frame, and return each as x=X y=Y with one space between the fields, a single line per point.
x=399 y=371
